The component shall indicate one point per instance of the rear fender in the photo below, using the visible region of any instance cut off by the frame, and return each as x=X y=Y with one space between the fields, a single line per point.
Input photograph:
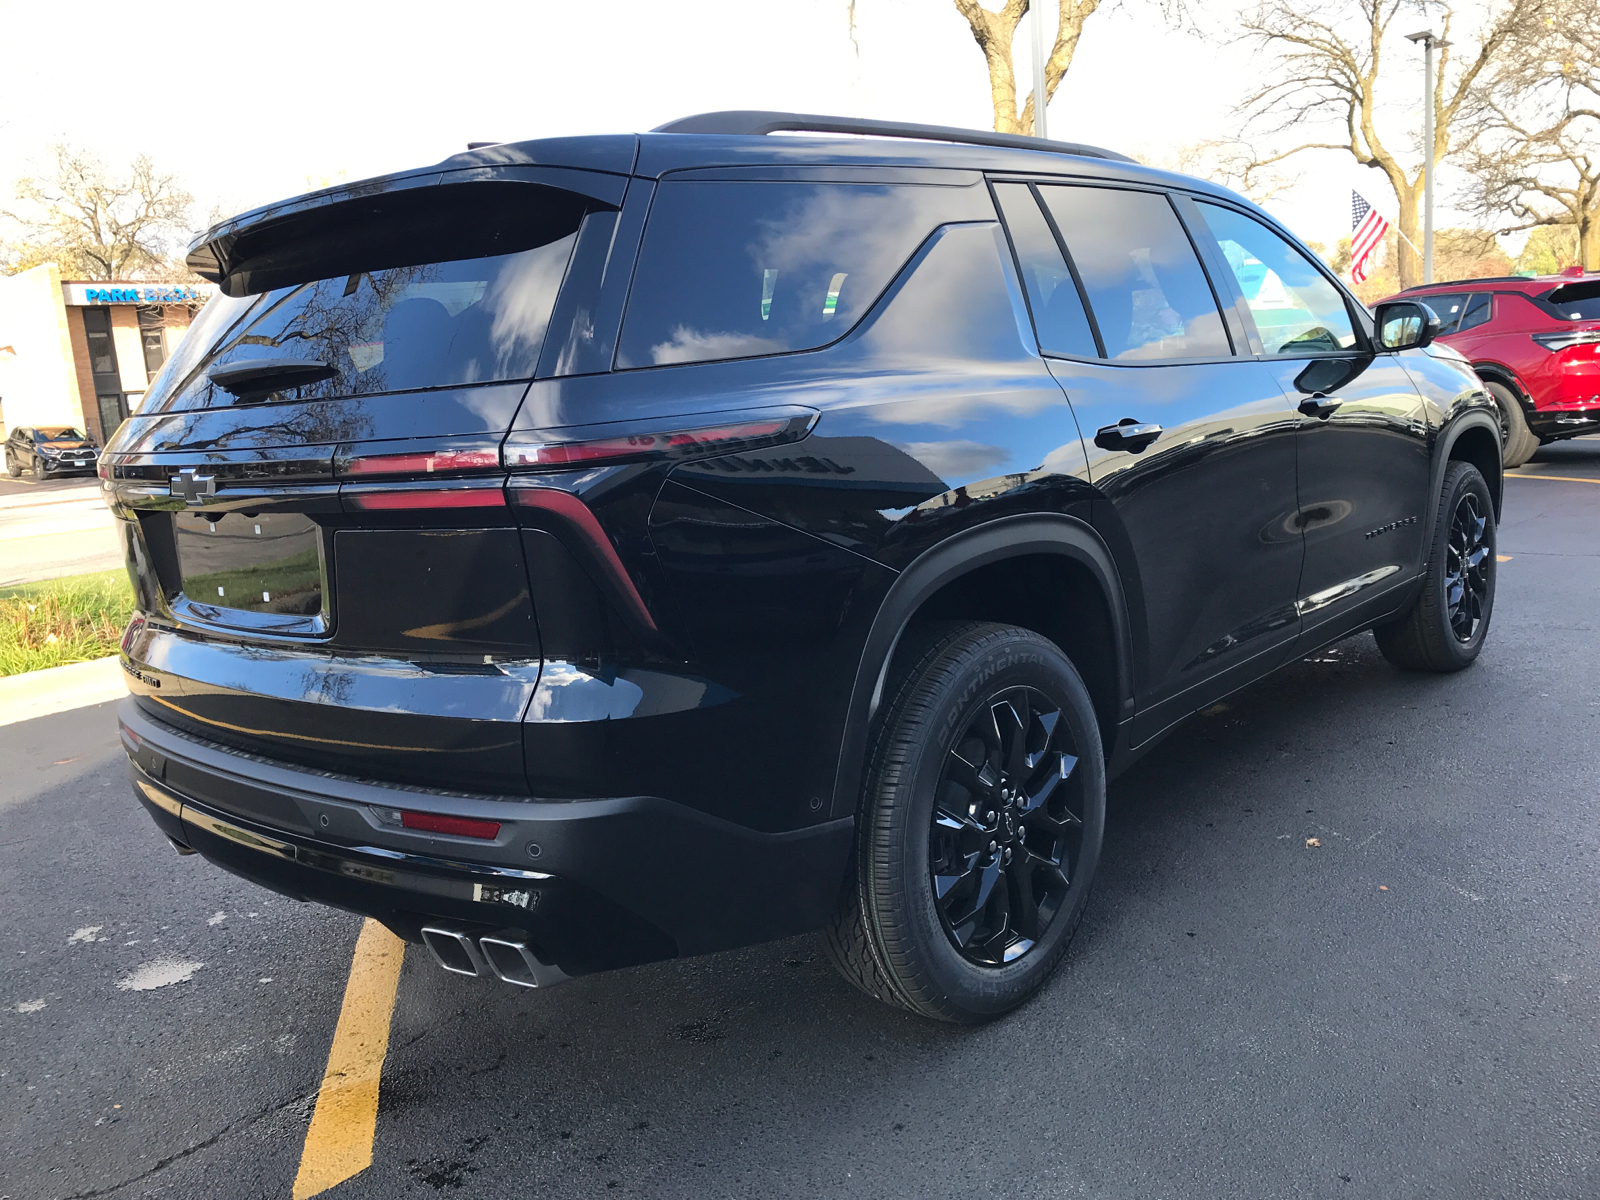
x=991 y=542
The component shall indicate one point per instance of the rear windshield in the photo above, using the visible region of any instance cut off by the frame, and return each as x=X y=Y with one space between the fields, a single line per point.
x=441 y=324
x=1577 y=301
x=734 y=269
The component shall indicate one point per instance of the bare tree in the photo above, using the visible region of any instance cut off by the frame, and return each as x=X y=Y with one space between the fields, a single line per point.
x=1326 y=70
x=994 y=33
x=1535 y=153
x=93 y=223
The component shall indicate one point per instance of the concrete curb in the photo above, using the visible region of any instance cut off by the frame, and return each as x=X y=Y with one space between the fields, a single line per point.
x=59 y=689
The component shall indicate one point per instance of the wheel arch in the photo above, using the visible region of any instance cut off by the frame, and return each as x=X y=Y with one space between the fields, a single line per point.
x=949 y=580
x=1494 y=372
x=1473 y=437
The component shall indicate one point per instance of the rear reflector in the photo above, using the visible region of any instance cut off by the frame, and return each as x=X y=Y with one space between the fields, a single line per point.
x=459 y=826
x=432 y=498
x=549 y=450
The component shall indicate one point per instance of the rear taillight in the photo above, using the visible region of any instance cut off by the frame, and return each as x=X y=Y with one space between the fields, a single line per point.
x=559 y=449
x=431 y=463
x=1567 y=339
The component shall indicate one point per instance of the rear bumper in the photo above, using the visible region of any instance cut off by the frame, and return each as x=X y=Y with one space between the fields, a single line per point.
x=615 y=882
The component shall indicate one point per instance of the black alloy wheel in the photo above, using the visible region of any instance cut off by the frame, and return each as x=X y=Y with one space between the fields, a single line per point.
x=1444 y=628
x=1005 y=836
x=1466 y=576
x=980 y=826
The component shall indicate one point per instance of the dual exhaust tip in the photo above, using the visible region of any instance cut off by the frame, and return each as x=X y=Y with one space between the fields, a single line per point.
x=505 y=955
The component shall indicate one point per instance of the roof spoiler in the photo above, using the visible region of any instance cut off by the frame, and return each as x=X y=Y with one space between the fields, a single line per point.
x=744 y=122
x=323 y=224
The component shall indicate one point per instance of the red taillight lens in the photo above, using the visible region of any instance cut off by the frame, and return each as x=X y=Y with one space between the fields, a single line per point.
x=432 y=498
x=459 y=826
x=556 y=449
x=429 y=463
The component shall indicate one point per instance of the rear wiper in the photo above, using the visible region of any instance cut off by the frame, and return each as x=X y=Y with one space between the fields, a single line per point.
x=256 y=376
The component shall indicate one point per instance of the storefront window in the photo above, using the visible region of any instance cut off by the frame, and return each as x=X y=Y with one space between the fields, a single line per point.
x=153 y=334
x=102 y=354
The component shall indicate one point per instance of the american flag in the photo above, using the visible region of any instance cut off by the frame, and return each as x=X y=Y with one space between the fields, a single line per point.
x=1369 y=229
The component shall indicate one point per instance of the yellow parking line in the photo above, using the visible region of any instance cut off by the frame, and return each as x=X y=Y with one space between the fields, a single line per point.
x=339 y=1141
x=1557 y=478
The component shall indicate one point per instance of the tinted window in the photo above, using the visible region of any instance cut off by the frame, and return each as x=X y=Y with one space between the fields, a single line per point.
x=1150 y=298
x=436 y=325
x=1296 y=309
x=1058 y=314
x=1577 y=301
x=1448 y=308
x=1478 y=311
x=734 y=269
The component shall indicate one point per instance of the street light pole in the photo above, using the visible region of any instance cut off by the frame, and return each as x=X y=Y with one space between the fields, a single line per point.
x=1429 y=41
x=1036 y=20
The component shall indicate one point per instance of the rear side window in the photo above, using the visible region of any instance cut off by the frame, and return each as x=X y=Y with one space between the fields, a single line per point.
x=1058 y=315
x=739 y=268
x=1150 y=297
x=1296 y=310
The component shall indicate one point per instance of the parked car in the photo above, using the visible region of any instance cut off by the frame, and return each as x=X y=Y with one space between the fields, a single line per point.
x=1536 y=344
x=597 y=550
x=50 y=450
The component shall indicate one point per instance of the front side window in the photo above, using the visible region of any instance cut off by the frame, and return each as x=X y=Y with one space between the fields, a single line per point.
x=1448 y=308
x=740 y=268
x=1296 y=309
x=1150 y=297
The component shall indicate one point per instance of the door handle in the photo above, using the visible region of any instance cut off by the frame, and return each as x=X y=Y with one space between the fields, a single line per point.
x=1319 y=406
x=1127 y=434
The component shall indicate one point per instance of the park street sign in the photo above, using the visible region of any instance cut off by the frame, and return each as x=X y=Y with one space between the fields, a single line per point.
x=113 y=292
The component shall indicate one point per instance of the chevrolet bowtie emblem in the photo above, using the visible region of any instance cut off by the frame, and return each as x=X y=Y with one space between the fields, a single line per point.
x=192 y=488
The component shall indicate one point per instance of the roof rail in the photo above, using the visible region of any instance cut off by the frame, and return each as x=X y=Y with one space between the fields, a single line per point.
x=753 y=121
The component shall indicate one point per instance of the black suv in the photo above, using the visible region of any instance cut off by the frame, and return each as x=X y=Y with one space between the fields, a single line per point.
x=50 y=450
x=596 y=550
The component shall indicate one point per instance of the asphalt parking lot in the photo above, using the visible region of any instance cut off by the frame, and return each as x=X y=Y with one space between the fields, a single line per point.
x=1407 y=1008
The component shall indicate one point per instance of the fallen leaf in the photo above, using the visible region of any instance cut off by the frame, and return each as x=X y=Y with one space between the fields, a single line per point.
x=1310 y=842
x=1381 y=888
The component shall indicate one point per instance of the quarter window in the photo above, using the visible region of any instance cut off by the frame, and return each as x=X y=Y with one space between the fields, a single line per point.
x=1150 y=297
x=739 y=268
x=1058 y=315
x=1296 y=309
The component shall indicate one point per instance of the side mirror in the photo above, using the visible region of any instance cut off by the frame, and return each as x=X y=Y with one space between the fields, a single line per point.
x=1403 y=324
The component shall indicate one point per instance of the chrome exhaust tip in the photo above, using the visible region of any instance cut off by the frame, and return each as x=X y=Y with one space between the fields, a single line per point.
x=511 y=958
x=453 y=949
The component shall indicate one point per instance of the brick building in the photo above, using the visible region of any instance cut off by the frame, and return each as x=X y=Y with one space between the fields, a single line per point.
x=82 y=352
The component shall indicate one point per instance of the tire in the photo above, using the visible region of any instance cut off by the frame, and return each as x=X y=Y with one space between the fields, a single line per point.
x=13 y=467
x=1518 y=443
x=947 y=954
x=1444 y=628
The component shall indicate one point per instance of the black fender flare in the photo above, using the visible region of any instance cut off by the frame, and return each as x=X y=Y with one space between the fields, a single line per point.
x=1507 y=378
x=1475 y=418
x=979 y=546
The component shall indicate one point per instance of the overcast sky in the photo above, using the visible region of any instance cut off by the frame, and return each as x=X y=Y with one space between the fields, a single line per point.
x=251 y=103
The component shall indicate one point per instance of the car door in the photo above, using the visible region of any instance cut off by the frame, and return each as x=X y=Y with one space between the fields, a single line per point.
x=1364 y=430
x=1192 y=445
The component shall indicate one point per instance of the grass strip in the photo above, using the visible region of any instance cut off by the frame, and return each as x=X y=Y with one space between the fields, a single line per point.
x=60 y=621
